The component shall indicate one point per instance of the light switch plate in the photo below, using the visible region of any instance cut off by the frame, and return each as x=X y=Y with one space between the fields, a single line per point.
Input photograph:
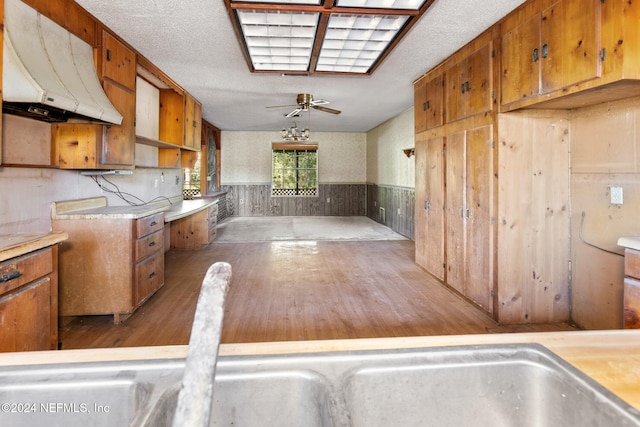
x=616 y=195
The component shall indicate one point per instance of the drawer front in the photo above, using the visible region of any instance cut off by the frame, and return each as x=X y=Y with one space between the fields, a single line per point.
x=213 y=212
x=631 y=304
x=632 y=263
x=149 y=276
x=21 y=270
x=150 y=244
x=212 y=230
x=149 y=224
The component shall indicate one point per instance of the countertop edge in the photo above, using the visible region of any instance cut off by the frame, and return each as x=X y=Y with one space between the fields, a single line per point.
x=38 y=241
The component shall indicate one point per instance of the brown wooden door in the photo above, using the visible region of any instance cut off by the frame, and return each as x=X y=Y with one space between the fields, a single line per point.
x=25 y=324
x=479 y=171
x=421 y=202
x=420 y=106
x=570 y=46
x=434 y=102
x=118 y=145
x=520 y=77
x=479 y=81
x=454 y=94
x=455 y=163
x=118 y=62
x=435 y=207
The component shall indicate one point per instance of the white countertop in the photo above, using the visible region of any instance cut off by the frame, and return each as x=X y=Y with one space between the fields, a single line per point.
x=631 y=242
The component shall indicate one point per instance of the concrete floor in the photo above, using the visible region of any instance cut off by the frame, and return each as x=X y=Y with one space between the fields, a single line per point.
x=282 y=228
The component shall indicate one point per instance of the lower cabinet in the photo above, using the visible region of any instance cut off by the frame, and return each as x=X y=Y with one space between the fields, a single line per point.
x=110 y=265
x=196 y=230
x=29 y=302
x=631 y=296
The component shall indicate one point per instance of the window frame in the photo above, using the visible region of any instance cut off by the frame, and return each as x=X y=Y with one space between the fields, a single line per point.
x=282 y=147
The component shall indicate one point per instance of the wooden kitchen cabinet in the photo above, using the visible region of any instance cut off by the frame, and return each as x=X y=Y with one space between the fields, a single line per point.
x=429 y=100
x=94 y=146
x=192 y=123
x=429 y=206
x=196 y=230
x=29 y=301
x=469 y=84
x=631 y=294
x=548 y=46
x=110 y=265
x=469 y=181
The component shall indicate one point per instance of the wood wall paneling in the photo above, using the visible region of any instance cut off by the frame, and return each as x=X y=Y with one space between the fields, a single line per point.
x=533 y=234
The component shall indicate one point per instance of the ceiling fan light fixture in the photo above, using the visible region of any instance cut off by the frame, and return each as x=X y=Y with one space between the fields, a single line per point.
x=293 y=134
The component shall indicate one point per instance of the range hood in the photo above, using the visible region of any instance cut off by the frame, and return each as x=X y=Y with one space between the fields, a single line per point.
x=48 y=73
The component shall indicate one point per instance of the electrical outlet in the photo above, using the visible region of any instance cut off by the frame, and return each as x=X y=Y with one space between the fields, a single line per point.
x=616 y=194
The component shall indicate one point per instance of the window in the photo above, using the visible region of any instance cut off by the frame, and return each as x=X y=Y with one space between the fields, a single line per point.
x=295 y=170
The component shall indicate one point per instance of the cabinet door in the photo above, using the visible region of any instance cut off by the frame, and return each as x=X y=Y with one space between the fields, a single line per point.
x=435 y=211
x=479 y=81
x=570 y=44
x=520 y=76
x=421 y=202
x=420 y=106
x=478 y=281
x=25 y=323
x=455 y=202
x=118 y=62
x=455 y=78
x=434 y=102
x=118 y=142
x=469 y=85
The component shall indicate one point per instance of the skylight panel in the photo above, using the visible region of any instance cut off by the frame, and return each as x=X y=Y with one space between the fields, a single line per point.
x=382 y=4
x=358 y=37
x=279 y=40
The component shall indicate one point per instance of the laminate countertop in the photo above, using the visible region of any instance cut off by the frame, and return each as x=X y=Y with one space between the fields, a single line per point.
x=97 y=208
x=612 y=358
x=14 y=245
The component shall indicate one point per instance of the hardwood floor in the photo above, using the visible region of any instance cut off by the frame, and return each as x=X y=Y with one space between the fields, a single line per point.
x=302 y=290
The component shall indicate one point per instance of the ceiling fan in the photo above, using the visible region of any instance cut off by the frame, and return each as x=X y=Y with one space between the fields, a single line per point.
x=305 y=100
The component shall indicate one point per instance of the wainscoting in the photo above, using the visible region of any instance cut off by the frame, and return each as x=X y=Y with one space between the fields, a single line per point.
x=391 y=206
x=332 y=200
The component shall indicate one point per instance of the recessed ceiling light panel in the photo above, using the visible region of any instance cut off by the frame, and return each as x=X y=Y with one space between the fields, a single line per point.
x=382 y=4
x=279 y=40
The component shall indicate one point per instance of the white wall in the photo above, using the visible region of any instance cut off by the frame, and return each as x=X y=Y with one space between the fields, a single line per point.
x=26 y=194
x=386 y=162
x=246 y=157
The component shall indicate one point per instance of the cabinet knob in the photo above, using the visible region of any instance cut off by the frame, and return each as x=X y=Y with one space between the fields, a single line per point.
x=545 y=50
x=534 y=55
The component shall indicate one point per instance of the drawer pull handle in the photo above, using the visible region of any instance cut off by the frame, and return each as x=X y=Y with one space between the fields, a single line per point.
x=7 y=277
x=153 y=223
x=152 y=275
x=152 y=244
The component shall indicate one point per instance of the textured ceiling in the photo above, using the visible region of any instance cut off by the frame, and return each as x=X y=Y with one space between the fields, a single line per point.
x=194 y=43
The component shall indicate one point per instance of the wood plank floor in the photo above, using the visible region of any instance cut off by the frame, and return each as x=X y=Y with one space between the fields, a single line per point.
x=302 y=290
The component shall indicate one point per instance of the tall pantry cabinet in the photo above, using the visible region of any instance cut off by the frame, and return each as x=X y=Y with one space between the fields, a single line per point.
x=455 y=169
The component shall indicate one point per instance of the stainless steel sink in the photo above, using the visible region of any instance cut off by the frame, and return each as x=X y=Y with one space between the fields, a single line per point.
x=501 y=385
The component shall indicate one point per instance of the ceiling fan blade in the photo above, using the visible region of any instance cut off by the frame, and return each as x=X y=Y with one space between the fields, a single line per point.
x=318 y=102
x=326 y=109
x=282 y=106
x=294 y=112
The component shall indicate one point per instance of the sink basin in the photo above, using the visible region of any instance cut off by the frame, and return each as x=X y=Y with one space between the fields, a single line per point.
x=497 y=385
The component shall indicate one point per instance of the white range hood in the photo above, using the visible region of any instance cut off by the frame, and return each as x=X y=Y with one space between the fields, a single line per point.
x=48 y=73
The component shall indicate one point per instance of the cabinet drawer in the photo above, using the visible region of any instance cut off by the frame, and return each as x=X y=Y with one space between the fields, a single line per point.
x=632 y=263
x=149 y=224
x=24 y=269
x=213 y=212
x=149 y=276
x=147 y=245
x=212 y=230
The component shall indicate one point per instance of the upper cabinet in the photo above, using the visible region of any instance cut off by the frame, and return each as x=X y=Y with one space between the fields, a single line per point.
x=429 y=100
x=192 y=123
x=551 y=49
x=469 y=84
x=94 y=146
